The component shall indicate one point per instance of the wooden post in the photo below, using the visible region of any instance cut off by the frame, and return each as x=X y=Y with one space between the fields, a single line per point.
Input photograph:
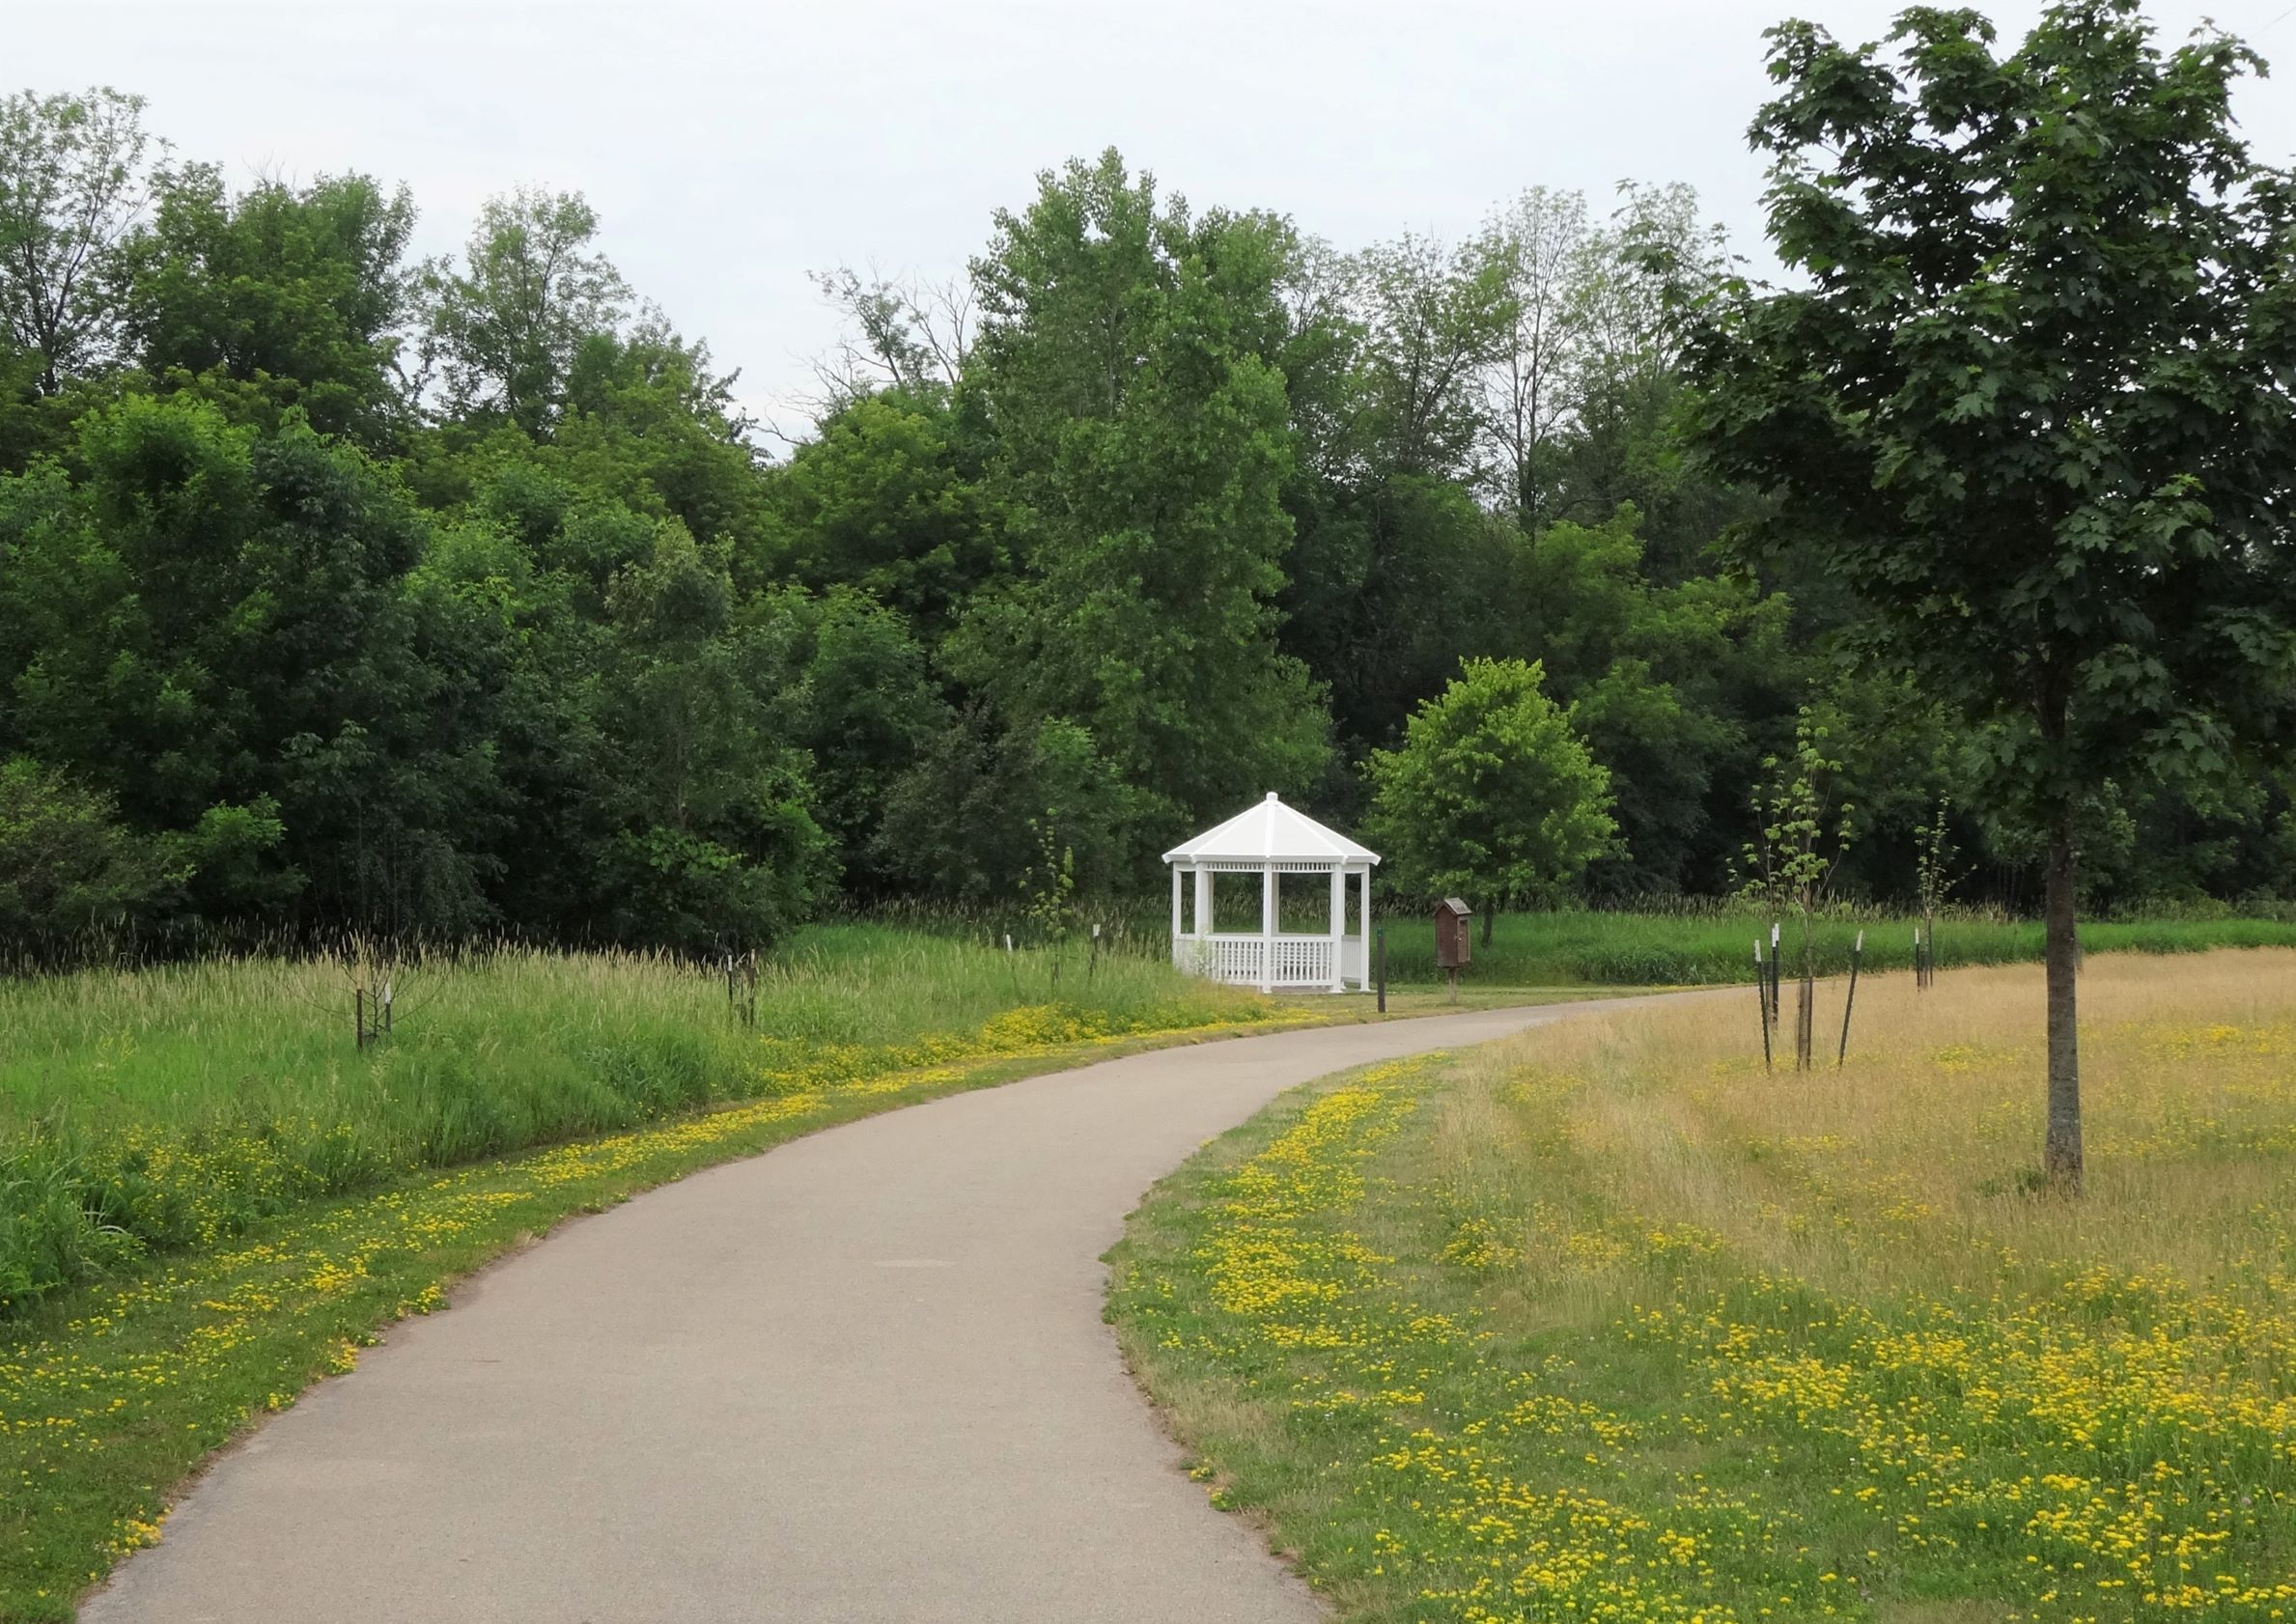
x=1777 y=1014
x=1849 y=1002
x=358 y=1017
x=1762 y=1003
x=1382 y=967
x=389 y=999
x=1805 y=1007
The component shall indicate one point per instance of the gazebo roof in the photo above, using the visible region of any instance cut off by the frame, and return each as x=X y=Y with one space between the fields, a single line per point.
x=1271 y=832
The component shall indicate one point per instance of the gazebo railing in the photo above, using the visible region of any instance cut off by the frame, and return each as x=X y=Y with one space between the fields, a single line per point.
x=1298 y=961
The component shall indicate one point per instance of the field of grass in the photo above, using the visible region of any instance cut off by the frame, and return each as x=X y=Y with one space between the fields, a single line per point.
x=220 y=1107
x=1700 y=949
x=1610 y=1323
x=166 y=1110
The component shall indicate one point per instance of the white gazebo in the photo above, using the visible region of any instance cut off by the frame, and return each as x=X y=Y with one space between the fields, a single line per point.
x=1267 y=840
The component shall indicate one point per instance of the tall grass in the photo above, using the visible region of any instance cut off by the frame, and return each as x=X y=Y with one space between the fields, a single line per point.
x=170 y=1106
x=1692 y=949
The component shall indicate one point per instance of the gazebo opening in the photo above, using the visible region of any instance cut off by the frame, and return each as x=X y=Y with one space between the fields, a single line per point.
x=1236 y=916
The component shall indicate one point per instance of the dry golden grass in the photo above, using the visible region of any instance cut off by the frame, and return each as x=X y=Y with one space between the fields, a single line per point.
x=1610 y=1323
x=1908 y=1165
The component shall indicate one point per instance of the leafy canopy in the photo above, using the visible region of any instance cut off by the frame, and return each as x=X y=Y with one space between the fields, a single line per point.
x=1493 y=795
x=1125 y=370
x=2032 y=400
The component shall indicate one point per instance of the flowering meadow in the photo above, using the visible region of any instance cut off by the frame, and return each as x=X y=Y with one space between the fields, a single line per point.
x=1610 y=1322
x=112 y=1390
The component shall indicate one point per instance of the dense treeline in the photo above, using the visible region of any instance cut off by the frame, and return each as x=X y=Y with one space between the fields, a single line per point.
x=340 y=589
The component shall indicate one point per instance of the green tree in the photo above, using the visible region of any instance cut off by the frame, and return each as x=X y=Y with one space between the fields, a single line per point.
x=280 y=297
x=504 y=329
x=1529 y=385
x=1670 y=686
x=211 y=627
x=1433 y=318
x=1800 y=836
x=2031 y=403
x=713 y=844
x=853 y=690
x=1393 y=579
x=887 y=498
x=1493 y=795
x=648 y=424
x=68 y=864
x=959 y=824
x=1124 y=373
x=71 y=184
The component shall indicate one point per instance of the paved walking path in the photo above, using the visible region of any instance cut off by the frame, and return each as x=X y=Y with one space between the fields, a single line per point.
x=859 y=1380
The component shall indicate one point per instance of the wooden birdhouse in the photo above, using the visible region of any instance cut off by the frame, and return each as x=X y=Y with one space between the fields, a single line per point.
x=1454 y=942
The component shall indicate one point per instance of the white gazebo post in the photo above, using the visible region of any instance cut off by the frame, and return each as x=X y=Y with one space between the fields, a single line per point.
x=1272 y=840
x=1269 y=897
x=1363 y=975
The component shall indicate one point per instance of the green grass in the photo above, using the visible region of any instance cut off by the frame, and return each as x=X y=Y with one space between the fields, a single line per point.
x=111 y=1393
x=167 y=1109
x=1591 y=948
x=1608 y=1321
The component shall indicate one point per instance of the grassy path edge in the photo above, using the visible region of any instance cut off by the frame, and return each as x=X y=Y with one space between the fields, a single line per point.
x=1315 y=1307
x=131 y=1430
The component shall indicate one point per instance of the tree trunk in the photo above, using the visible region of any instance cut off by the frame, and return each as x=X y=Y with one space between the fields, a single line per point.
x=1489 y=913
x=2062 y=1158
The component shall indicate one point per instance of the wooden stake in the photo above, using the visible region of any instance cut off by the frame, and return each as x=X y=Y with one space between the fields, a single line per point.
x=1762 y=1002
x=1849 y=1002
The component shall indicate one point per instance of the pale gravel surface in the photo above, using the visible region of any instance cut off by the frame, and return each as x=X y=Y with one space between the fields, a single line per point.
x=860 y=1378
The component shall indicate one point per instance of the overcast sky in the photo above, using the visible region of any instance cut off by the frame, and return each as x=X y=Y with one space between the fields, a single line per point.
x=729 y=149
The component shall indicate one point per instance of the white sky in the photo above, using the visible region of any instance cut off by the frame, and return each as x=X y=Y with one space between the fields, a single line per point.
x=731 y=147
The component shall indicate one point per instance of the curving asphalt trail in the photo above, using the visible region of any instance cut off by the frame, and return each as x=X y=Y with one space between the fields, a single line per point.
x=861 y=1378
